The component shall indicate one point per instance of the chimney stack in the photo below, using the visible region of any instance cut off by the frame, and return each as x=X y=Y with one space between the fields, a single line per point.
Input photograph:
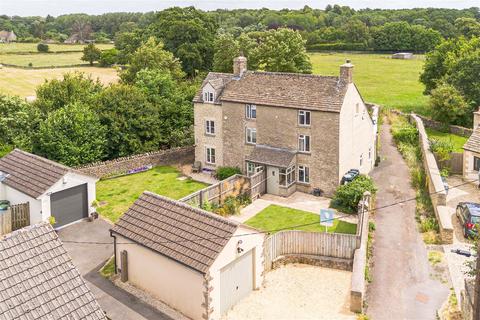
x=239 y=66
x=476 y=119
x=346 y=72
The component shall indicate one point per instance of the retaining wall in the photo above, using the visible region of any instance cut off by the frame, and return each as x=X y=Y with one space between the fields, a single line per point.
x=120 y=166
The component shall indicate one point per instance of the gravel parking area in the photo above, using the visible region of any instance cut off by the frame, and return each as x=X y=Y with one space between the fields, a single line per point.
x=298 y=291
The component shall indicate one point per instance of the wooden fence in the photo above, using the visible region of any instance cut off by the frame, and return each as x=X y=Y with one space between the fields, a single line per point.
x=14 y=218
x=454 y=164
x=234 y=186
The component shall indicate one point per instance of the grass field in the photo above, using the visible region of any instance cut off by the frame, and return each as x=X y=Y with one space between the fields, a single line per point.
x=32 y=47
x=117 y=195
x=276 y=217
x=388 y=82
x=22 y=82
x=43 y=59
x=457 y=141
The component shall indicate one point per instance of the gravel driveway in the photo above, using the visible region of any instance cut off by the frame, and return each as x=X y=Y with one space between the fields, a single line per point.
x=298 y=291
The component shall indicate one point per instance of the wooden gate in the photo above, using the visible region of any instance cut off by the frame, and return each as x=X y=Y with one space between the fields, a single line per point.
x=258 y=184
x=20 y=215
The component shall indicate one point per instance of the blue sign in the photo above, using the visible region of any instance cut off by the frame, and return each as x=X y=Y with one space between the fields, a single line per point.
x=326 y=217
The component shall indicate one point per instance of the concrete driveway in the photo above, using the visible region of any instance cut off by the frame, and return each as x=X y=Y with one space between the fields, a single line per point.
x=402 y=287
x=89 y=245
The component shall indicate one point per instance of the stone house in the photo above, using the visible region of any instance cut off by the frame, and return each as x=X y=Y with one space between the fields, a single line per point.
x=471 y=151
x=304 y=131
x=7 y=36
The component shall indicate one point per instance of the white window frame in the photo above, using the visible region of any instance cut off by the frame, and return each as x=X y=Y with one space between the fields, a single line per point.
x=210 y=127
x=304 y=143
x=306 y=174
x=250 y=111
x=251 y=168
x=208 y=96
x=361 y=160
x=209 y=156
x=251 y=135
x=288 y=176
x=306 y=115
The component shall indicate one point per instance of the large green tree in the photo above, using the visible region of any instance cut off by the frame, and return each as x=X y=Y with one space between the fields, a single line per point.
x=58 y=93
x=226 y=48
x=91 y=54
x=71 y=135
x=131 y=120
x=152 y=55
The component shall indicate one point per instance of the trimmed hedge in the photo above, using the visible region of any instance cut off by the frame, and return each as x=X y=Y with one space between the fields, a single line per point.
x=338 y=46
x=226 y=172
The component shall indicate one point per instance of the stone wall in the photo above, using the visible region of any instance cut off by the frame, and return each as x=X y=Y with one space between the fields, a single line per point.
x=318 y=261
x=466 y=299
x=460 y=131
x=121 y=166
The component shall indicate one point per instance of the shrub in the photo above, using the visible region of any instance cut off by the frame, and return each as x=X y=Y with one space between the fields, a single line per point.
x=442 y=148
x=109 y=57
x=226 y=172
x=403 y=132
x=347 y=196
x=42 y=47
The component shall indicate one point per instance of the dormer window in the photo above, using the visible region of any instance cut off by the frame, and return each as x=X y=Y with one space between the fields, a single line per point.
x=208 y=96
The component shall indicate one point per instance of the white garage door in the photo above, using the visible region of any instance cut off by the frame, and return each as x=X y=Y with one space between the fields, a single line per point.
x=236 y=281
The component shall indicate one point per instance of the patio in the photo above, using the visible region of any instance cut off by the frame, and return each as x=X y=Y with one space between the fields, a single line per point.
x=298 y=200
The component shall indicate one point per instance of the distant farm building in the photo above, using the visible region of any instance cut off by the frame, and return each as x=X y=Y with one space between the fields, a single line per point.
x=7 y=36
x=403 y=55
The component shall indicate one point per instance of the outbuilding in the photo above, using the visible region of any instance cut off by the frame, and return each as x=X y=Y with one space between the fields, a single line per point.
x=195 y=261
x=50 y=188
x=403 y=55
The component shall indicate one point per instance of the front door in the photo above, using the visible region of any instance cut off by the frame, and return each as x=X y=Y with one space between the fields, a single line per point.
x=272 y=180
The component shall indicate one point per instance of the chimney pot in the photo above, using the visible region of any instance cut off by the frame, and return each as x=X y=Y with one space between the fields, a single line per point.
x=346 y=72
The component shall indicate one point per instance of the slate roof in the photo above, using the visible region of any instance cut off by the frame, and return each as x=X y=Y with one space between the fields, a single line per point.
x=38 y=280
x=189 y=235
x=276 y=157
x=473 y=143
x=291 y=90
x=29 y=173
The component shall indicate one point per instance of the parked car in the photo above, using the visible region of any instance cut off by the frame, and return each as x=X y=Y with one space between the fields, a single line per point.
x=350 y=176
x=468 y=214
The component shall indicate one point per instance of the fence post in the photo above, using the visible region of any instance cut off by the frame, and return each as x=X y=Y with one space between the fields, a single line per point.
x=124 y=266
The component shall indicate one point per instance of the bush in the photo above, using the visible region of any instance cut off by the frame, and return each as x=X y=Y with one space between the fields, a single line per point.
x=442 y=148
x=337 y=46
x=109 y=57
x=226 y=172
x=42 y=47
x=403 y=132
x=347 y=196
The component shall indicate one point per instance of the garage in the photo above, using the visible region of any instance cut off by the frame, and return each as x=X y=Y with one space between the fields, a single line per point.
x=69 y=205
x=236 y=281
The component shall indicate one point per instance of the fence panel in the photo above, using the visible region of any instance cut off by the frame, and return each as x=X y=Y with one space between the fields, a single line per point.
x=5 y=222
x=258 y=184
x=20 y=215
x=334 y=245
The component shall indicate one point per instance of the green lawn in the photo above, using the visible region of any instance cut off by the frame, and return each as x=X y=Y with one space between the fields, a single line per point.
x=117 y=195
x=32 y=47
x=276 y=217
x=458 y=141
x=380 y=79
x=43 y=59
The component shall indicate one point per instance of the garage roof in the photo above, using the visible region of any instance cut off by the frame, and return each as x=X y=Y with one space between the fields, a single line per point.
x=39 y=281
x=189 y=235
x=29 y=173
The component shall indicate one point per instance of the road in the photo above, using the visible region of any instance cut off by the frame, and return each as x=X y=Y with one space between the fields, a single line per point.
x=401 y=287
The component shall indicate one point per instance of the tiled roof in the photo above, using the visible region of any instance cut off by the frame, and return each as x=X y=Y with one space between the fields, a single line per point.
x=218 y=81
x=29 y=173
x=189 y=235
x=39 y=281
x=473 y=143
x=272 y=156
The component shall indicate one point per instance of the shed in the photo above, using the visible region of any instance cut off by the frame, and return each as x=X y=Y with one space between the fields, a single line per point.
x=50 y=188
x=403 y=55
x=195 y=261
x=39 y=281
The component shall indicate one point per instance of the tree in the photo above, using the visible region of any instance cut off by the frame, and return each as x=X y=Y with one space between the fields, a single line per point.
x=394 y=36
x=72 y=135
x=17 y=122
x=42 y=47
x=91 y=53
x=448 y=106
x=151 y=55
x=109 y=57
x=283 y=50
x=226 y=49
x=74 y=87
x=468 y=27
x=130 y=119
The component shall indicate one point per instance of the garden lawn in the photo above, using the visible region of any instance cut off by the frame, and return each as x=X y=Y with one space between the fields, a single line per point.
x=380 y=79
x=116 y=195
x=457 y=141
x=276 y=217
x=43 y=59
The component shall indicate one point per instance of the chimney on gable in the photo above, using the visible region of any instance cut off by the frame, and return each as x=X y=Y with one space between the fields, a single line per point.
x=476 y=119
x=239 y=66
x=346 y=72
